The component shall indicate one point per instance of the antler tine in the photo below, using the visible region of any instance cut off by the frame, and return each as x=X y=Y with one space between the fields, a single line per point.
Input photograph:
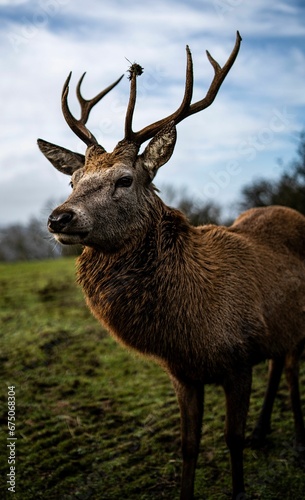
x=134 y=71
x=219 y=76
x=188 y=90
x=78 y=126
x=87 y=105
x=186 y=108
x=149 y=131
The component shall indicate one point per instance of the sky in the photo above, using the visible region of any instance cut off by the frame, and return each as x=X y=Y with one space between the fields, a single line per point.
x=254 y=122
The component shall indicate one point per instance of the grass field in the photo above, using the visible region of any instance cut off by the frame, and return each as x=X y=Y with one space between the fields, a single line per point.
x=94 y=421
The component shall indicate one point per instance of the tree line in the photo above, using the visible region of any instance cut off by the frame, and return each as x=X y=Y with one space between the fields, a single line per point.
x=31 y=241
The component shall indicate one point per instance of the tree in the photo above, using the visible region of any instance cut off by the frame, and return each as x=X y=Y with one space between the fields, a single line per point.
x=289 y=190
x=26 y=242
x=197 y=212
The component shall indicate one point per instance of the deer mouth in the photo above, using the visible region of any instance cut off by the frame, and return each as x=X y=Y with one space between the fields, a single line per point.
x=71 y=238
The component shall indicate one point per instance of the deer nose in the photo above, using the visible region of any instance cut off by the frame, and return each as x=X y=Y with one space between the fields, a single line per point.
x=57 y=222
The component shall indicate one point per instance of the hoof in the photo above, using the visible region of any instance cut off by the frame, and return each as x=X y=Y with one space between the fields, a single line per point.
x=300 y=453
x=258 y=438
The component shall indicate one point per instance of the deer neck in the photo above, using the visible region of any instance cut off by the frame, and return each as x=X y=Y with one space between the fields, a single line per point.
x=125 y=290
x=167 y=234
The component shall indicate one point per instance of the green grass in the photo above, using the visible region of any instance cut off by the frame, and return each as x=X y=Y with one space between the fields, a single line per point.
x=94 y=421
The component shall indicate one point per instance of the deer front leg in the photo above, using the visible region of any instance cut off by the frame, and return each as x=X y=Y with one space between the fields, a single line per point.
x=190 y=398
x=263 y=425
x=237 y=390
x=292 y=375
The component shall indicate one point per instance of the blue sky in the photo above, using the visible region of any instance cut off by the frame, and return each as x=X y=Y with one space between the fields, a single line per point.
x=254 y=121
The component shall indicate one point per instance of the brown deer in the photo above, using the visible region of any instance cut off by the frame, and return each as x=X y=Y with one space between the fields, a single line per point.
x=207 y=303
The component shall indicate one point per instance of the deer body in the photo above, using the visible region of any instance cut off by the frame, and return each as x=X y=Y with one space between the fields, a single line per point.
x=175 y=295
x=207 y=303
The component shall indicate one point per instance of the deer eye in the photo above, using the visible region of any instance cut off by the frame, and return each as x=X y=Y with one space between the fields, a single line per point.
x=125 y=181
x=71 y=184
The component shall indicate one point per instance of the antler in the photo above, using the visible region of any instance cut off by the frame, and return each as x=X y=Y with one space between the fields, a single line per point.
x=79 y=126
x=186 y=108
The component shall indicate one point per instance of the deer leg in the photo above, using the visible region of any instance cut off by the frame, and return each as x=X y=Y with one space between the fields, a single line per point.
x=263 y=426
x=237 y=391
x=292 y=376
x=190 y=398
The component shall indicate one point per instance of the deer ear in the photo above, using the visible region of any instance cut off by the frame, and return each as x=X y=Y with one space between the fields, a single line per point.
x=63 y=159
x=160 y=149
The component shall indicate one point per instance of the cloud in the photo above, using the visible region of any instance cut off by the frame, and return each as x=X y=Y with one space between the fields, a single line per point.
x=253 y=121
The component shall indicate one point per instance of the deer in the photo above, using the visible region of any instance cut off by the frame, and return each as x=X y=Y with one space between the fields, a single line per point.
x=206 y=303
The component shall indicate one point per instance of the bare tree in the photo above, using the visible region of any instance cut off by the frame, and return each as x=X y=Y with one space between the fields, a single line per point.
x=288 y=190
x=27 y=242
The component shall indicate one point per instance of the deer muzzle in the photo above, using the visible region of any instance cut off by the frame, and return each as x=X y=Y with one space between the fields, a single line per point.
x=66 y=227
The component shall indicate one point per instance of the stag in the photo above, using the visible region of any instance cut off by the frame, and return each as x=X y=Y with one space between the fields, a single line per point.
x=206 y=303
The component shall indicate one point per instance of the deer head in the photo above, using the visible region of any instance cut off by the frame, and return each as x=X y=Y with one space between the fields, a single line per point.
x=113 y=195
